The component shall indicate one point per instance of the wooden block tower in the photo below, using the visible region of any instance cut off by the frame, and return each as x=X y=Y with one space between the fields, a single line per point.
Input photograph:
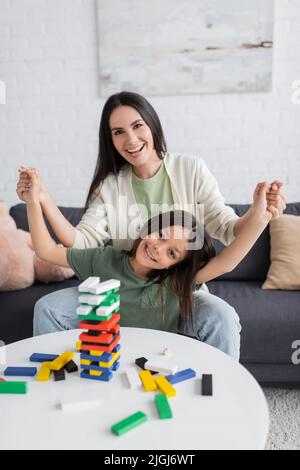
x=99 y=314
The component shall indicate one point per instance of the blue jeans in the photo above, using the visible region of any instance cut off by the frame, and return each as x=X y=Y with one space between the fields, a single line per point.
x=214 y=321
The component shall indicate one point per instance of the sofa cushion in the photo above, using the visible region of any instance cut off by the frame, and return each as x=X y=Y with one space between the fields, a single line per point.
x=270 y=320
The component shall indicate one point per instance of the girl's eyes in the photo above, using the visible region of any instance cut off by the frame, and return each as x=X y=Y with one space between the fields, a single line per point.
x=134 y=127
x=172 y=254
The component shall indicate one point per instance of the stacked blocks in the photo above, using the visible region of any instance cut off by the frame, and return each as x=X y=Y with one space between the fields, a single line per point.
x=99 y=315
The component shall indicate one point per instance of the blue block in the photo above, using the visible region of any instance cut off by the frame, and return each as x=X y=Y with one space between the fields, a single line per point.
x=20 y=372
x=106 y=357
x=116 y=366
x=97 y=368
x=43 y=357
x=106 y=377
x=181 y=376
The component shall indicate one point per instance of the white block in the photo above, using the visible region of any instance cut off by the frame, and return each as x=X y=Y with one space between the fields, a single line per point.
x=94 y=300
x=133 y=377
x=79 y=405
x=162 y=367
x=105 y=287
x=107 y=310
x=88 y=283
x=84 y=310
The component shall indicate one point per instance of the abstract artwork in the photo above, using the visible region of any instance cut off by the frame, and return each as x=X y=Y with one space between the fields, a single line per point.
x=175 y=47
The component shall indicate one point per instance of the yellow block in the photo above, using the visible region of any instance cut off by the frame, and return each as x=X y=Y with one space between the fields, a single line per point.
x=85 y=362
x=44 y=373
x=95 y=373
x=96 y=353
x=165 y=386
x=110 y=363
x=61 y=361
x=147 y=380
x=78 y=345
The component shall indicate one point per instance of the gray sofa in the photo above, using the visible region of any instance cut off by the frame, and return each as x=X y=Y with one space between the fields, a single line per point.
x=270 y=319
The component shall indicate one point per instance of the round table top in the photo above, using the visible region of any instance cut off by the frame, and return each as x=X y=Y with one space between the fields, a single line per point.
x=236 y=417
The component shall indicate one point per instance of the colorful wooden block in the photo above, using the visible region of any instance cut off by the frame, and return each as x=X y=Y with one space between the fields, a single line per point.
x=105 y=287
x=85 y=310
x=101 y=338
x=129 y=423
x=165 y=386
x=141 y=361
x=20 y=372
x=89 y=299
x=164 y=367
x=44 y=373
x=133 y=377
x=38 y=357
x=104 y=377
x=105 y=348
x=181 y=376
x=88 y=283
x=107 y=311
x=71 y=367
x=59 y=375
x=96 y=318
x=14 y=388
x=207 y=385
x=111 y=300
x=163 y=406
x=147 y=381
x=61 y=361
x=100 y=326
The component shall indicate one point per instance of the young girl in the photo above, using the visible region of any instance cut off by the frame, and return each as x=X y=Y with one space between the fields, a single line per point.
x=161 y=262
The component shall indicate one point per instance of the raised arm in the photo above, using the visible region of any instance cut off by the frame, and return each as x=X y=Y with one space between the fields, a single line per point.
x=63 y=229
x=232 y=255
x=43 y=244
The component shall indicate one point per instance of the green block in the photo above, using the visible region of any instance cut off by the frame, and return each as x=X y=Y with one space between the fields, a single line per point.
x=163 y=406
x=16 y=388
x=110 y=300
x=129 y=423
x=94 y=317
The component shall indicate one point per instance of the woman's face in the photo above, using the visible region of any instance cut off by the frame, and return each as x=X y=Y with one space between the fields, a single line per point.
x=131 y=136
x=163 y=250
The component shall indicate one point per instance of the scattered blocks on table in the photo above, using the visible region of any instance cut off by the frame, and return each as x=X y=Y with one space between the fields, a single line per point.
x=79 y=405
x=147 y=381
x=88 y=284
x=14 y=388
x=162 y=367
x=129 y=423
x=61 y=361
x=165 y=386
x=133 y=377
x=181 y=376
x=141 y=361
x=207 y=385
x=20 y=372
x=163 y=406
x=59 y=375
x=44 y=373
x=37 y=357
x=71 y=367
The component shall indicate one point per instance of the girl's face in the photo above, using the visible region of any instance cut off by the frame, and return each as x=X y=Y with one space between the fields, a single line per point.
x=163 y=250
x=131 y=136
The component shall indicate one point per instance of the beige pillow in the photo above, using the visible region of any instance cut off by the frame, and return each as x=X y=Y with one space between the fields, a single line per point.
x=284 y=272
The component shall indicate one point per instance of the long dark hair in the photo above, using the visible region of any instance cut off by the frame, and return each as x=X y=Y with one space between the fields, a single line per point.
x=181 y=275
x=109 y=159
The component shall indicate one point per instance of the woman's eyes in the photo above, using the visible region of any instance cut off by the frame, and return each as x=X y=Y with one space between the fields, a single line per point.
x=165 y=237
x=134 y=127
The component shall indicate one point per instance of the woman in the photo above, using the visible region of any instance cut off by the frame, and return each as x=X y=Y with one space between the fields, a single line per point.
x=134 y=169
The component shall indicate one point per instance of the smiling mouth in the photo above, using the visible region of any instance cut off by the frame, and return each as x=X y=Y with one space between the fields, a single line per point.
x=148 y=254
x=136 y=151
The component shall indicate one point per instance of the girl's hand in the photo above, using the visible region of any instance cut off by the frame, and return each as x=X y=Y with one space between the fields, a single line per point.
x=24 y=184
x=261 y=206
x=34 y=187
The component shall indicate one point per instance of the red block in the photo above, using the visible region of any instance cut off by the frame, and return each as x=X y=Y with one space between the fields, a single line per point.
x=101 y=326
x=102 y=338
x=109 y=348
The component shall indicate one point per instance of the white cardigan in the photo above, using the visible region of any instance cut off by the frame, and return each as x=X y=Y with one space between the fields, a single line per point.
x=109 y=217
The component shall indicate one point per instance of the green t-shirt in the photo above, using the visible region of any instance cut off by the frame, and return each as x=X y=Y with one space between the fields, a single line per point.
x=141 y=305
x=154 y=191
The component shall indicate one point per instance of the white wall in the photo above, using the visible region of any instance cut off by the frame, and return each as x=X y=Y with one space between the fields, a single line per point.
x=48 y=59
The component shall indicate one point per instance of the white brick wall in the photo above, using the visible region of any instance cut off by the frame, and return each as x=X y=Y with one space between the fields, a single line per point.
x=48 y=59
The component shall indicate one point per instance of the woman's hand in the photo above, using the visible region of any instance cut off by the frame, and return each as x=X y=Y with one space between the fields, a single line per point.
x=33 y=192
x=25 y=183
x=261 y=205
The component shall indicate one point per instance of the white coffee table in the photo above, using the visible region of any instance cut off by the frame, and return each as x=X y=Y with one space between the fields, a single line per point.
x=236 y=417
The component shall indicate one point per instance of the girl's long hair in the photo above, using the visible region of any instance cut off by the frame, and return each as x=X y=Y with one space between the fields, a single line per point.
x=181 y=275
x=109 y=159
